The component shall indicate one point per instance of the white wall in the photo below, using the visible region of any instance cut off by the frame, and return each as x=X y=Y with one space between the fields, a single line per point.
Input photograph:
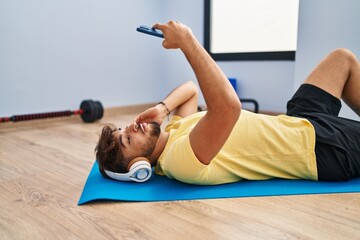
x=53 y=54
x=323 y=26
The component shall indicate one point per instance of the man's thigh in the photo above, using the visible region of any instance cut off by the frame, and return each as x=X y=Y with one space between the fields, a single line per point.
x=311 y=99
x=332 y=73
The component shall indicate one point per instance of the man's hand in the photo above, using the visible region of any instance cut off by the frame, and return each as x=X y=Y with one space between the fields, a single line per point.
x=175 y=34
x=153 y=114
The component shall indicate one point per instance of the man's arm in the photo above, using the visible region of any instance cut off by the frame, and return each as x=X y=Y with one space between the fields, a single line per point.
x=183 y=100
x=223 y=104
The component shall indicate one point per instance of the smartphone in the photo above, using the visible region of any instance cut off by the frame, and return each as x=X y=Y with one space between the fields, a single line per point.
x=150 y=31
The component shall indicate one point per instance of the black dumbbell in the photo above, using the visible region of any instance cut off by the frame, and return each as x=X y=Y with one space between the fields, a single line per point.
x=90 y=111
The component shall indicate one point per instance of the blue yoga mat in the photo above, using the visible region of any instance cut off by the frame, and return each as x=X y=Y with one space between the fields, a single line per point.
x=160 y=188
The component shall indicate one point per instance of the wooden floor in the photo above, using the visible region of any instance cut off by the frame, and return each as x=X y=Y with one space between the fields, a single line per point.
x=45 y=163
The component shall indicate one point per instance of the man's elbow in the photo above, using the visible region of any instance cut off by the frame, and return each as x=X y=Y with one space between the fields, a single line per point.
x=192 y=85
x=236 y=107
x=193 y=88
x=228 y=109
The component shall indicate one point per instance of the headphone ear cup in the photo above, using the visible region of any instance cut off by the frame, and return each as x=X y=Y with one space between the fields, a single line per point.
x=140 y=169
x=135 y=160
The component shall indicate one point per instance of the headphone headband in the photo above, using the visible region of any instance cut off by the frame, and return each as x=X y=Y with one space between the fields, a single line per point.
x=140 y=171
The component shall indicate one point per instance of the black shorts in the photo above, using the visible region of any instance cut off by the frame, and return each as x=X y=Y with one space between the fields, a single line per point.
x=337 y=146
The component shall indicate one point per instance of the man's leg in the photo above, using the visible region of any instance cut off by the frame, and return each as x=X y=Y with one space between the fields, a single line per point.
x=339 y=74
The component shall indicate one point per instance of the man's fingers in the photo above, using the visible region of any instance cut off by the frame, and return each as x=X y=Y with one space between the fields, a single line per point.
x=135 y=126
x=158 y=26
x=164 y=44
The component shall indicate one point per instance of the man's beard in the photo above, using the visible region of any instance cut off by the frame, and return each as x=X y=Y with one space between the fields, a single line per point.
x=154 y=134
x=155 y=129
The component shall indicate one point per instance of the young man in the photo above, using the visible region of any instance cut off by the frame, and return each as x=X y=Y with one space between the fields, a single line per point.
x=225 y=143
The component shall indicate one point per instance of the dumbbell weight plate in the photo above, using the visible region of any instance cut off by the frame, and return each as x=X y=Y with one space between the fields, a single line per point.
x=99 y=110
x=89 y=114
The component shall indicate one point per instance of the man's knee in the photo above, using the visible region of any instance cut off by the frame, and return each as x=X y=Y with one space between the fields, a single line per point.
x=343 y=54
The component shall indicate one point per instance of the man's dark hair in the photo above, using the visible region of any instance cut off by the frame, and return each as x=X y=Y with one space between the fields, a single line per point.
x=108 y=152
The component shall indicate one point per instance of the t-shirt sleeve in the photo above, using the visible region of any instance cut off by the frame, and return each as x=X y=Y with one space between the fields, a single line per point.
x=181 y=163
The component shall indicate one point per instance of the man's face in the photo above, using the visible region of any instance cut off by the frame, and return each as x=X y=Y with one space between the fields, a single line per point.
x=138 y=140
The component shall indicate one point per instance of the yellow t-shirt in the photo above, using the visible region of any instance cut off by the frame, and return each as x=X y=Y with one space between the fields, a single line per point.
x=260 y=147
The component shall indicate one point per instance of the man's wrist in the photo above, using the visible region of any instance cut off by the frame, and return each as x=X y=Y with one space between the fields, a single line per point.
x=187 y=41
x=190 y=46
x=167 y=111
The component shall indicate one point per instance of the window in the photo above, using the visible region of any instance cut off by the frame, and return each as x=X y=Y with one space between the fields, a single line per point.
x=251 y=29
